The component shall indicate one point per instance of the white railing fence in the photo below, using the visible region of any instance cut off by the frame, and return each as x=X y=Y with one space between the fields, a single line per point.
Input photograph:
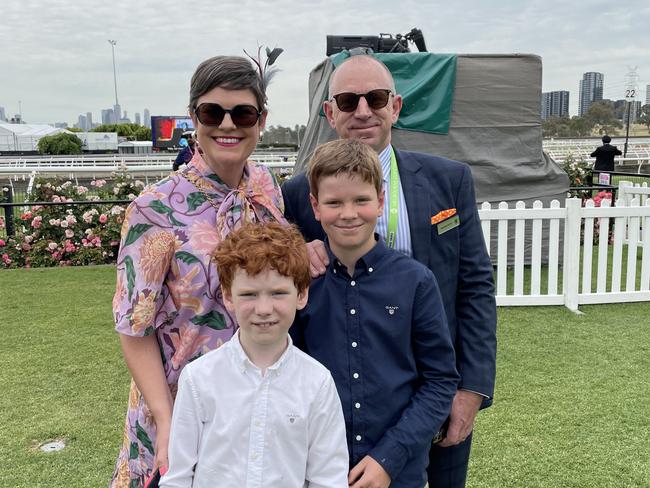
x=605 y=254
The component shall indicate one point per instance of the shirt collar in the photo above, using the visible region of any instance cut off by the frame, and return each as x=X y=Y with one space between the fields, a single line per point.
x=367 y=262
x=384 y=159
x=243 y=362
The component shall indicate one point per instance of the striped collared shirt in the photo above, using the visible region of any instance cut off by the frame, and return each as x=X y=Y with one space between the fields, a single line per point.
x=403 y=238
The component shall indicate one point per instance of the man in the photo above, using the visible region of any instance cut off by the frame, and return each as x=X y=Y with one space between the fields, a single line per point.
x=434 y=220
x=605 y=155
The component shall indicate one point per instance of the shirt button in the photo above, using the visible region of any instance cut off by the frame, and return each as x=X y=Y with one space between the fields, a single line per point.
x=355 y=376
x=358 y=437
x=357 y=405
x=352 y=311
x=352 y=283
x=370 y=270
x=354 y=344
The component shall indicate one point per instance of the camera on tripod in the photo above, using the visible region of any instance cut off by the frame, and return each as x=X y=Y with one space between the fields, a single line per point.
x=383 y=43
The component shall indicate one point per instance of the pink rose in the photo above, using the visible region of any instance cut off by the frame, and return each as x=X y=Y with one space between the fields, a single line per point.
x=69 y=233
x=103 y=218
x=2 y=243
x=36 y=223
x=52 y=246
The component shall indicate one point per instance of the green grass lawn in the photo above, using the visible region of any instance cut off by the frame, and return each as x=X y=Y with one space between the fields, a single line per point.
x=570 y=408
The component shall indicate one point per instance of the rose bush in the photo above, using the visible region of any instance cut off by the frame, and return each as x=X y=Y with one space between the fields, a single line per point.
x=69 y=235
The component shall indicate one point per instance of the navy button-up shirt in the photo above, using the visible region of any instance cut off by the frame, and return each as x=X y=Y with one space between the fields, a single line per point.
x=383 y=335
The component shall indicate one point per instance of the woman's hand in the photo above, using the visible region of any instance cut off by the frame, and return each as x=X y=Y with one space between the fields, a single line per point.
x=161 y=448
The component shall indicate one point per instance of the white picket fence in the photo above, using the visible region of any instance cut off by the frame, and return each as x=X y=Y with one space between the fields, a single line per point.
x=568 y=279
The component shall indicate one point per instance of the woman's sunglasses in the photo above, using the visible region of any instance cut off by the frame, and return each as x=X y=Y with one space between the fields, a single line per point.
x=376 y=99
x=212 y=114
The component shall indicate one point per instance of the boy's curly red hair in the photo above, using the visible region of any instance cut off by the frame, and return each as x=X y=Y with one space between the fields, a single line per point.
x=258 y=247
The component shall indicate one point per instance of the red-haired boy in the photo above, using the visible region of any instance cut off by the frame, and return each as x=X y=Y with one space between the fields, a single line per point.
x=257 y=412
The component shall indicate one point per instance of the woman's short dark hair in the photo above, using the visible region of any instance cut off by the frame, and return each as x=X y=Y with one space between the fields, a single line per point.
x=229 y=72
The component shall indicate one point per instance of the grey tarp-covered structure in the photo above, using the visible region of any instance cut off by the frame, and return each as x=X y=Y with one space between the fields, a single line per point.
x=495 y=128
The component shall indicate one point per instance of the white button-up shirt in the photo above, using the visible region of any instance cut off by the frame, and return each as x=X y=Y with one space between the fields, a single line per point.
x=234 y=428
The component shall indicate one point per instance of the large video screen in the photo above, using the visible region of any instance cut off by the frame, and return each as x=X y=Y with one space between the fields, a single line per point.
x=167 y=131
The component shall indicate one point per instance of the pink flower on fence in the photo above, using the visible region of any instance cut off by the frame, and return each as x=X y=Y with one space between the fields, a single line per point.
x=2 y=243
x=602 y=195
x=26 y=216
x=52 y=246
x=36 y=223
x=103 y=218
x=69 y=233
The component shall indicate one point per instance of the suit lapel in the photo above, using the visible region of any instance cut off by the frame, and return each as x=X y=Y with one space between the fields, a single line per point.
x=418 y=205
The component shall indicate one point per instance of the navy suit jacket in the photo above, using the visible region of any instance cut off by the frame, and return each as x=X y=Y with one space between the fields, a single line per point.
x=458 y=257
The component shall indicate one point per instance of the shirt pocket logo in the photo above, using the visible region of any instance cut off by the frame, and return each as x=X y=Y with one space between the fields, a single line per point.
x=391 y=309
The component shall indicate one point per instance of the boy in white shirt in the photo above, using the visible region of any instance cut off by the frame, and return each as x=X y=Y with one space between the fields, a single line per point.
x=258 y=412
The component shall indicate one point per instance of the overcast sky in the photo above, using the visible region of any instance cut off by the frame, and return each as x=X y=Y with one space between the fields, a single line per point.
x=55 y=58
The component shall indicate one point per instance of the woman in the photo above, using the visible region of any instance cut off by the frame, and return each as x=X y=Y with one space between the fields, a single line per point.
x=168 y=307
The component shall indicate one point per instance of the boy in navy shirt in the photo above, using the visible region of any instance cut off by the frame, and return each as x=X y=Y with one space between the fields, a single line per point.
x=376 y=321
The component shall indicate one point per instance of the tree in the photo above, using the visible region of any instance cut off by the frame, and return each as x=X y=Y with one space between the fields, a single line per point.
x=132 y=132
x=567 y=127
x=644 y=118
x=580 y=126
x=602 y=115
x=63 y=143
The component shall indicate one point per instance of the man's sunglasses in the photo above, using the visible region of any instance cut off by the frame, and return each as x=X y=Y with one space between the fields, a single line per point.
x=212 y=114
x=376 y=99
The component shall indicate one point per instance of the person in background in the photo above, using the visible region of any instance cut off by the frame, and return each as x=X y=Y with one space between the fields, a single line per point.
x=185 y=155
x=605 y=155
x=168 y=305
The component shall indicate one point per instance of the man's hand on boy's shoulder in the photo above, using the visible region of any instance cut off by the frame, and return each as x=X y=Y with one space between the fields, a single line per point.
x=368 y=474
x=318 y=258
x=461 y=419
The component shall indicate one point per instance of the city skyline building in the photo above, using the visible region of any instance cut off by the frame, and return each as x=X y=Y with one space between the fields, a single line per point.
x=137 y=118
x=107 y=116
x=3 y=116
x=555 y=104
x=147 y=118
x=82 y=122
x=117 y=113
x=591 y=91
x=647 y=94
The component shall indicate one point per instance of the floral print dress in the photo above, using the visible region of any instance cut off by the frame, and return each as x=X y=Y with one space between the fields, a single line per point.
x=167 y=283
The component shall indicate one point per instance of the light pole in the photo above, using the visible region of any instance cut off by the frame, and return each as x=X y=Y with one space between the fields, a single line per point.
x=113 y=43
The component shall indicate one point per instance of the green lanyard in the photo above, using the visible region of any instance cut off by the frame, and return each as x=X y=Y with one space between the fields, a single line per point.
x=393 y=213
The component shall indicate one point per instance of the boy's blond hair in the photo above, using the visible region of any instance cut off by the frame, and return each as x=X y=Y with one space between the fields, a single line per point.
x=344 y=156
